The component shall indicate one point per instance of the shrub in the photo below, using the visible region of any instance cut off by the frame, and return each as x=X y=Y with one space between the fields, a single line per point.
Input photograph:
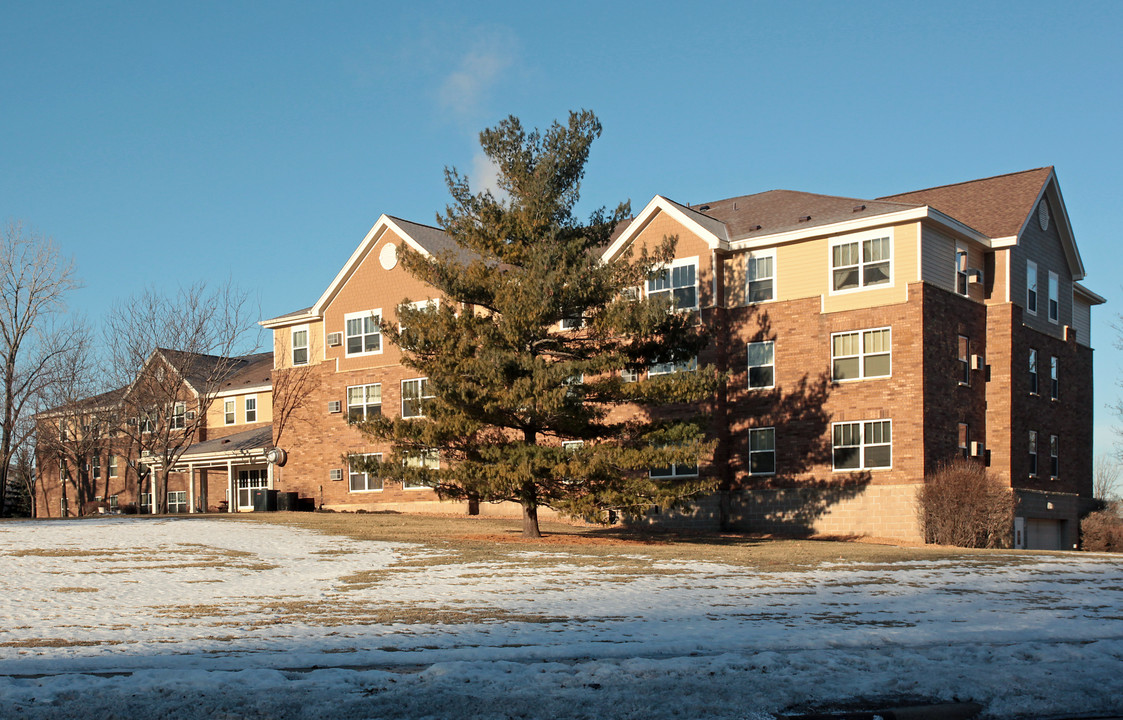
x=961 y=504
x=1102 y=531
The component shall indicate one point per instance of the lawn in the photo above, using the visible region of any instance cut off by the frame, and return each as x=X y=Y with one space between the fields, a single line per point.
x=384 y=615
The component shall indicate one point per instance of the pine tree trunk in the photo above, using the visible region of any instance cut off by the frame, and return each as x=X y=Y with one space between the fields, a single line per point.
x=530 y=521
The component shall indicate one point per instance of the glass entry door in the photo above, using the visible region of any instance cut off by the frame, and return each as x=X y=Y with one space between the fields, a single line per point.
x=248 y=481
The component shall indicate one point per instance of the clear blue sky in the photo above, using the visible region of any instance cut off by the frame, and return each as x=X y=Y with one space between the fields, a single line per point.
x=163 y=143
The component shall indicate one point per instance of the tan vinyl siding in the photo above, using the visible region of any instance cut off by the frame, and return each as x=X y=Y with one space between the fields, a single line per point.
x=688 y=245
x=282 y=343
x=938 y=259
x=904 y=271
x=216 y=413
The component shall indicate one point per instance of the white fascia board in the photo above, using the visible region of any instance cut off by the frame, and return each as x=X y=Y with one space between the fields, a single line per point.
x=372 y=237
x=1064 y=225
x=1086 y=294
x=850 y=226
x=288 y=320
x=245 y=390
x=662 y=204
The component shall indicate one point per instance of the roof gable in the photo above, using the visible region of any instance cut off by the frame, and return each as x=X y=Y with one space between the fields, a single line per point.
x=710 y=229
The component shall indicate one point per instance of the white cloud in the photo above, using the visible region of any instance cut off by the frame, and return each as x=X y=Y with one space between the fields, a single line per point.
x=485 y=176
x=465 y=89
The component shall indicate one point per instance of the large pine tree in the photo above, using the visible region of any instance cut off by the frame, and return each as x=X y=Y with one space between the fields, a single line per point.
x=536 y=356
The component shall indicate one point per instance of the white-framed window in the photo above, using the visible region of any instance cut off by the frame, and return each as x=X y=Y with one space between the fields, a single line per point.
x=179 y=416
x=113 y=503
x=861 y=261
x=961 y=269
x=147 y=421
x=761 y=276
x=359 y=480
x=572 y=445
x=674 y=470
x=144 y=504
x=1033 y=453
x=415 y=396
x=678 y=281
x=964 y=358
x=251 y=408
x=861 y=354
x=762 y=364
x=1054 y=377
x=177 y=501
x=364 y=402
x=429 y=304
x=95 y=467
x=300 y=345
x=762 y=451
x=363 y=334
x=668 y=368
x=228 y=411
x=1054 y=457
x=571 y=323
x=1031 y=287
x=1033 y=371
x=629 y=376
x=426 y=459
x=964 y=439
x=1054 y=297
x=112 y=466
x=862 y=445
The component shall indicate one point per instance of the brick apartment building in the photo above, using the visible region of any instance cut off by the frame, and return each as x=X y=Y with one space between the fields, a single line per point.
x=867 y=341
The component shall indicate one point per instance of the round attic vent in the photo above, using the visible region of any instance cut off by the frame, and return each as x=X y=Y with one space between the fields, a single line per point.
x=1043 y=215
x=388 y=256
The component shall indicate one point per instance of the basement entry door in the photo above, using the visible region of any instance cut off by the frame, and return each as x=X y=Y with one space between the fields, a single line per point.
x=248 y=481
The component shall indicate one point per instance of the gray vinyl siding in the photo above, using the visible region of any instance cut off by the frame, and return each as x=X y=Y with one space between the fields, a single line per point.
x=937 y=265
x=1082 y=321
x=1044 y=248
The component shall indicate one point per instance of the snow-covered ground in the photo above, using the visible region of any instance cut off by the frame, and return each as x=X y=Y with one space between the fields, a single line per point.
x=202 y=618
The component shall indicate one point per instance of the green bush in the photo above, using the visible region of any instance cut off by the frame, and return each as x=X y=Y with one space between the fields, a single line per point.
x=961 y=504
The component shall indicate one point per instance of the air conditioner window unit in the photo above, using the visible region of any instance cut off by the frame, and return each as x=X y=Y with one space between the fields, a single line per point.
x=978 y=362
x=974 y=275
x=335 y=406
x=976 y=448
x=190 y=415
x=335 y=474
x=335 y=339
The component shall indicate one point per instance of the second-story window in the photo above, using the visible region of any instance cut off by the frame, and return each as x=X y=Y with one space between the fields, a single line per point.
x=861 y=355
x=762 y=364
x=762 y=276
x=1054 y=297
x=300 y=346
x=112 y=466
x=415 y=396
x=860 y=263
x=678 y=282
x=364 y=402
x=228 y=411
x=1031 y=287
x=363 y=332
x=1054 y=377
x=179 y=415
x=964 y=439
x=1033 y=371
x=95 y=467
x=1033 y=453
x=961 y=270
x=251 y=409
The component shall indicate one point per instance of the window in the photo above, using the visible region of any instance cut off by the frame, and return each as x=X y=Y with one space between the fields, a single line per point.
x=678 y=283
x=572 y=323
x=364 y=402
x=114 y=505
x=363 y=333
x=964 y=358
x=145 y=502
x=430 y=304
x=300 y=346
x=762 y=451
x=761 y=276
x=362 y=481
x=1033 y=453
x=674 y=470
x=860 y=263
x=427 y=460
x=861 y=355
x=964 y=440
x=147 y=421
x=762 y=364
x=1033 y=371
x=112 y=466
x=62 y=431
x=1031 y=287
x=1054 y=381
x=572 y=445
x=179 y=415
x=629 y=376
x=177 y=501
x=1054 y=297
x=251 y=408
x=95 y=467
x=415 y=397
x=1054 y=458
x=863 y=445
x=961 y=270
x=672 y=367
x=228 y=411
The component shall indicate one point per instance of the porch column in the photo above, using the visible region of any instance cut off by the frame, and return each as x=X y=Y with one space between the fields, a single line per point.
x=232 y=506
x=269 y=475
x=190 y=488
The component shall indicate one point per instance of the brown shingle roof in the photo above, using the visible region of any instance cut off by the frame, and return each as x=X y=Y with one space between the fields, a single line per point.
x=198 y=369
x=996 y=206
x=256 y=439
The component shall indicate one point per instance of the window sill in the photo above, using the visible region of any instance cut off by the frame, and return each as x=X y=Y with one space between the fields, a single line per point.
x=357 y=492
x=362 y=354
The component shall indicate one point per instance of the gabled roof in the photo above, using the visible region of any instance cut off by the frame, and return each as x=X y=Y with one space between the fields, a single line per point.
x=102 y=401
x=425 y=239
x=197 y=369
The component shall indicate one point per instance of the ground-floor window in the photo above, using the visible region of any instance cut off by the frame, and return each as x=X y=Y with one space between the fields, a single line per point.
x=145 y=503
x=762 y=451
x=428 y=460
x=862 y=445
x=113 y=503
x=248 y=481
x=363 y=481
x=177 y=501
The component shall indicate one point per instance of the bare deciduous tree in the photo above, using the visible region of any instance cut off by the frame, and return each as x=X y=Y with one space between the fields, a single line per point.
x=292 y=388
x=1105 y=478
x=961 y=504
x=34 y=281
x=174 y=353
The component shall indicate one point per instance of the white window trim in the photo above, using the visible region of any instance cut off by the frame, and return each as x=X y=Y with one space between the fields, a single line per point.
x=293 y=347
x=1054 y=284
x=965 y=272
x=233 y=411
x=859 y=238
x=682 y=262
x=1054 y=377
x=756 y=255
x=246 y=410
x=420 y=397
x=751 y=451
x=366 y=475
x=674 y=474
x=1035 y=453
x=862 y=447
x=1034 y=368
x=413 y=488
x=1031 y=271
x=434 y=303
x=862 y=355
x=749 y=368
x=347 y=400
x=111 y=466
x=363 y=314
x=178 y=420
x=670 y=368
